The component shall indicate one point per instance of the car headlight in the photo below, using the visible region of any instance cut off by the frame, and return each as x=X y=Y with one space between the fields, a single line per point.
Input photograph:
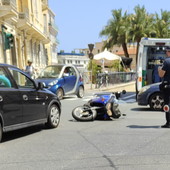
x=53 y=83
x=144 y=89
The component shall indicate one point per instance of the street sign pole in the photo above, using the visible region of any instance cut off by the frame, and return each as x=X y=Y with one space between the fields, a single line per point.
x=91 y=46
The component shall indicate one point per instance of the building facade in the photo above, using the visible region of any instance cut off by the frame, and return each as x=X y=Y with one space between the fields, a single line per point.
x=30 y=25
x=80 y=60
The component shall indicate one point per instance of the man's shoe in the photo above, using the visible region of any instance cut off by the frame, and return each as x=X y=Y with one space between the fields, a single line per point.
x=166 y=126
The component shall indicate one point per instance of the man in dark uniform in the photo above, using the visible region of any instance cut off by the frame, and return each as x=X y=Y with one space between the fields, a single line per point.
x=164 y=73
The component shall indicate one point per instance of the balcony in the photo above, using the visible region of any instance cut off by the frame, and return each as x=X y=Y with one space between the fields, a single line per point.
x=53 y=29
x=8 y=9
x=23 y=19
x=24 y=23
x=44 y=4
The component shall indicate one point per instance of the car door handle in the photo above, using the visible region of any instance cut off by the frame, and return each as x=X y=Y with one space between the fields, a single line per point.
x=1 y=98
x=25 y=97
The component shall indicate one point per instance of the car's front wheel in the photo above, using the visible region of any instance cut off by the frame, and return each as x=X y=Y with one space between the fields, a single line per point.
x=80 y=92
x=60 y=93
x=156 y=102
x=53 y=116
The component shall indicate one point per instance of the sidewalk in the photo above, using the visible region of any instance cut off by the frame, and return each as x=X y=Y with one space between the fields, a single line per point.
x=129 y=87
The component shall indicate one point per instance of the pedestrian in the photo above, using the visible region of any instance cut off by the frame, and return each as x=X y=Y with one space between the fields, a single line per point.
x=30 y=70
x=164 y=72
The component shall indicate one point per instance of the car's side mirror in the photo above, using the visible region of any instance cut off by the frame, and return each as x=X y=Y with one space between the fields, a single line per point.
x=40 y=86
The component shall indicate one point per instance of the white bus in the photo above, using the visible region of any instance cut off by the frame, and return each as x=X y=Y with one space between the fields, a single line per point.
x=150 y=56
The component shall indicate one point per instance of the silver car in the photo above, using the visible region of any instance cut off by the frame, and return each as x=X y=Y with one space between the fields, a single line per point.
x=152 y=96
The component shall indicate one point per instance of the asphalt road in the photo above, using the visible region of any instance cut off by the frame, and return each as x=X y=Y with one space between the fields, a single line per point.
x=133 y=142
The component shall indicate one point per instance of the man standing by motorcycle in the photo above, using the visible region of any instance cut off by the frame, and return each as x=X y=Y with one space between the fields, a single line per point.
x=164 y=72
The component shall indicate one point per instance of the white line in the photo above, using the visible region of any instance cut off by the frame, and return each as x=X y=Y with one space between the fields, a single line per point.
x=129 y=96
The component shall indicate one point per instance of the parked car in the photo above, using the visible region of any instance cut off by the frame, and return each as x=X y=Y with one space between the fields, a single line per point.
x=62 y=80
x=152 y=96
x=23 y=103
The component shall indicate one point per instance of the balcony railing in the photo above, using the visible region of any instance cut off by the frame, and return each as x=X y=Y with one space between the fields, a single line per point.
x=8 y=2
x=8 y=8
x=44 y=4
x=24 y=15
x=53 y=26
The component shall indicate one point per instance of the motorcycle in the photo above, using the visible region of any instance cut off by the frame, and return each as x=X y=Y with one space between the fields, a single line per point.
x=102 y=106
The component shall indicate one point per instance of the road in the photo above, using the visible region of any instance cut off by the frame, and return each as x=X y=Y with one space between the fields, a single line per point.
x=133 y=142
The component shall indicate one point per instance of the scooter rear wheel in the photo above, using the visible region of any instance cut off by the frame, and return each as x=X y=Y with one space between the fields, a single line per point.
x=84 y=113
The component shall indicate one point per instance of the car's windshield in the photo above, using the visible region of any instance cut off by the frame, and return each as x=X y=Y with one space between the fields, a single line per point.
x=50 y=72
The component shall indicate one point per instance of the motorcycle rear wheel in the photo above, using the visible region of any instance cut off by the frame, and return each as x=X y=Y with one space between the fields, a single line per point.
x=84 y=113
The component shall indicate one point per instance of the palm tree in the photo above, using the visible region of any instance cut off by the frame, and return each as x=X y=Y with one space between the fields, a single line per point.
x=162 y=24
x=141 y=25
x=117 y=31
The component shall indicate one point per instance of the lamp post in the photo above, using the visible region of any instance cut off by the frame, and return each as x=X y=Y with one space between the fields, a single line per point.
x=91 y=46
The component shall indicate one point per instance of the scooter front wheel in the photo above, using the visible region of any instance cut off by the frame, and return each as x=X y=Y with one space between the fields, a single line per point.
x=115 y=112
x=84 y=113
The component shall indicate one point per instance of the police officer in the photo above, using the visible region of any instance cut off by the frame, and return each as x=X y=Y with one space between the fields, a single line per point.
x=164 y=72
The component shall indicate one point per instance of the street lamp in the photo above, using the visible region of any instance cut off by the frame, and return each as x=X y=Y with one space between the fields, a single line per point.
x=91 y=46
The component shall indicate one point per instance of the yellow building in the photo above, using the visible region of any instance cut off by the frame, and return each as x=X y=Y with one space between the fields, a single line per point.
x=31 y=24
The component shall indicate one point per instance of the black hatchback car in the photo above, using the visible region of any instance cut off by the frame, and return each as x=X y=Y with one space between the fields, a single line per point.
x=23 y=103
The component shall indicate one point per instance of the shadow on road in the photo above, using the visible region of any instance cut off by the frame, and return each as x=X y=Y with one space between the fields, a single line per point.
x=142 y=127
x=22 y=132
x=143 y=109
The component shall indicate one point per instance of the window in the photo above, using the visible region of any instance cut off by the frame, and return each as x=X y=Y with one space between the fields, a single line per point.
x=5 y=82
x=72 y=71
x=21 y=80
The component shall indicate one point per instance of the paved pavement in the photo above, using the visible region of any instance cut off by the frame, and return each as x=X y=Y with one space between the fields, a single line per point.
x=129 y=87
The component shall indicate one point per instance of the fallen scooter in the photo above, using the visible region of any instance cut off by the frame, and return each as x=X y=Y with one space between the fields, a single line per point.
x=103 y=106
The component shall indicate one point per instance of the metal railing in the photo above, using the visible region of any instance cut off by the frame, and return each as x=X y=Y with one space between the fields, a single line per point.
x=24 y=15
x=8 y=2
x=106 y=79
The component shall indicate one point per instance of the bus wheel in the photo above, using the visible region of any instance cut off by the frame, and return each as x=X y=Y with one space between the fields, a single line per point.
x=156 y=102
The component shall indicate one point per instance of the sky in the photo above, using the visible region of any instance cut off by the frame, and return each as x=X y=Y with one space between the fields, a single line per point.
x=80 y=22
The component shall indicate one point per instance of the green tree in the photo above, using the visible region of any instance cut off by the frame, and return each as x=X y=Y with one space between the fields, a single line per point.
x=125 y=28
x=141 y=25
x=162 y=24
x=92 y=65
x=116 y=66
x=117 y=30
